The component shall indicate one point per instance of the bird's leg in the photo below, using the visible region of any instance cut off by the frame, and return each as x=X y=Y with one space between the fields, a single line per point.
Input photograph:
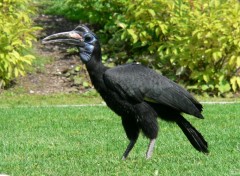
x=129 y=148
x=150 y=148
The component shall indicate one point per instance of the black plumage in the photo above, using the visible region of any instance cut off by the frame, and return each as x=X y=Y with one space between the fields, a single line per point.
x=136 y=93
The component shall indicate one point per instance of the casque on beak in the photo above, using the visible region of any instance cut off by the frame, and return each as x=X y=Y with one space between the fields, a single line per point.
x=70 y=38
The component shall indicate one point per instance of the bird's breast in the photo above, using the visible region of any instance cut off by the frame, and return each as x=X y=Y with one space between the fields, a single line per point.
x=117 y=104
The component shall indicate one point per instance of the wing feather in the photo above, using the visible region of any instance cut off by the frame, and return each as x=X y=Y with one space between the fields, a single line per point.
x=137 y=83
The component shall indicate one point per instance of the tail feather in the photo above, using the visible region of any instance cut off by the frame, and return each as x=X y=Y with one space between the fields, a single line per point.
x=195 y=137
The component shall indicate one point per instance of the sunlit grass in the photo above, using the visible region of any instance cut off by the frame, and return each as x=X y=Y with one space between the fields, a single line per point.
x=13 y=99
x=90 y=141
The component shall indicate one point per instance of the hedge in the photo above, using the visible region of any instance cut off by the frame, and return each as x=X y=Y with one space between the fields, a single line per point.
x=16 y=36
x=195 y=43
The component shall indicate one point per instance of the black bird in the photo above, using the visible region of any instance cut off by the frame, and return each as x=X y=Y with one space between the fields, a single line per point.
x=136 y=93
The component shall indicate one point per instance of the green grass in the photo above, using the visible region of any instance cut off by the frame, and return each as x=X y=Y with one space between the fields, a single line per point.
x=90 y=141
x=14 y=99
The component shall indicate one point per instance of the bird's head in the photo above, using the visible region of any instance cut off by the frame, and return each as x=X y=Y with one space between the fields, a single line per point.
x=81 y=37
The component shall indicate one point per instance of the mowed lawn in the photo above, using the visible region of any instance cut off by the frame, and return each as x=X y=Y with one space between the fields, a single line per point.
x=89 y=140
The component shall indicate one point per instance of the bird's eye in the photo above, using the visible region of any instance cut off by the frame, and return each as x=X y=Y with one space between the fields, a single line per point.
x=88 y=38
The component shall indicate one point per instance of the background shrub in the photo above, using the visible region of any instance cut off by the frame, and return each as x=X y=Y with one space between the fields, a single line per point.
x=15 y=38
x=196 y=43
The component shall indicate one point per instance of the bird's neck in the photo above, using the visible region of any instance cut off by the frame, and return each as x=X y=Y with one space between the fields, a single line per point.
x=96 y=70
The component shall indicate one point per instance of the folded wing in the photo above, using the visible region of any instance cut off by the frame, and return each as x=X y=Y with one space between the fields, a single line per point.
x=137 y=83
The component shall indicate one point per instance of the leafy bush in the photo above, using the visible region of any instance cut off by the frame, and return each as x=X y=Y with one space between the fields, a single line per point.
x=193 y=42
x=102 y=14
x=15 y=38
x=98 y=12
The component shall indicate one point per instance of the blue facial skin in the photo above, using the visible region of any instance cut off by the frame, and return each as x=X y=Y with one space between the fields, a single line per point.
x=87 y=50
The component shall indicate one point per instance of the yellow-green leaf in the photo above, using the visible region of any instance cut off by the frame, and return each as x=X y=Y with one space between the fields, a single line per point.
x=151 y=12
x=235 y=82
x=206 y=78
x=238 y=61
x=133 y=35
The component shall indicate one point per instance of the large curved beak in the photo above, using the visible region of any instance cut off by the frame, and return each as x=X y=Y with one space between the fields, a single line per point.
x=71 y=38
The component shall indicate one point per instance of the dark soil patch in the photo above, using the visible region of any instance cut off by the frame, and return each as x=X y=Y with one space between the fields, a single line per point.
x=65 y=72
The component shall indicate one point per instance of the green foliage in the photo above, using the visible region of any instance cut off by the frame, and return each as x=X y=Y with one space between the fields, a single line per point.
x=102 y=14
x=16 y=35
x=98 y=12
x=195 y=43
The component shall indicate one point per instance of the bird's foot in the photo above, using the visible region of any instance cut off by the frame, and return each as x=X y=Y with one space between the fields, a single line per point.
x=150 y=148
x=129 y=148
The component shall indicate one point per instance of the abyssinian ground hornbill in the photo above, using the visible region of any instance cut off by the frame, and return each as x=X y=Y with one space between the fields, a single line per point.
x=136 y=93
